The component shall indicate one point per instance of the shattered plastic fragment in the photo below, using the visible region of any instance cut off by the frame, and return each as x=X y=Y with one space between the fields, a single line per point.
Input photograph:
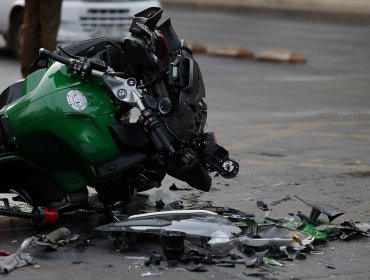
x=317 y=252
x=318 y=207
x=155 y=259
x=73 y=238
x=230 y=265
x=277 y=235
x=196 y=267
x=330 y=266
x=307 y=228
x=172 y=244
x=261 y=205
x=198 y=225
x=173 y=213
x=189 y=247
x=261 y=275
x=152 y=274
x=290 y=254
x=272 y=262
x=135 y=258
x=347 y=230
x=235 y=256
x=218 y=237
x=285 y=198
x=230 y=213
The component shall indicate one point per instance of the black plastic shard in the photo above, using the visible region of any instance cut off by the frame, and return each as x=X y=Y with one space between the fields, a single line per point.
x=261 y=205
x=318 y=207
x=126 y=225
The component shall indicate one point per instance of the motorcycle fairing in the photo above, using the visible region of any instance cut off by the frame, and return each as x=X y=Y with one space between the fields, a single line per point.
x=11 y=94
x=190 y=119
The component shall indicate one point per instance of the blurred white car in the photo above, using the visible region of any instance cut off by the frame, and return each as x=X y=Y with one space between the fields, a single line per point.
x=80 y=19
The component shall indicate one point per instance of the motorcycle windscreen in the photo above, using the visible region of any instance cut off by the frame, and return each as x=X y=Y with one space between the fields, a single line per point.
x=170 y=36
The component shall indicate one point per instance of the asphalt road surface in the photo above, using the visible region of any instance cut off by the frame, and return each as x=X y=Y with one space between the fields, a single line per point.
x=295 y=130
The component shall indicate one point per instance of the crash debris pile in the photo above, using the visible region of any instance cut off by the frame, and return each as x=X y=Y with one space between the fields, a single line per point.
x=225 y=237
x=205 y=235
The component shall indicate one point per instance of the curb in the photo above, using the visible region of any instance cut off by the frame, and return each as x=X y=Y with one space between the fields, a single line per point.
x=296 y=11
x=231 y=51
x=271 y=55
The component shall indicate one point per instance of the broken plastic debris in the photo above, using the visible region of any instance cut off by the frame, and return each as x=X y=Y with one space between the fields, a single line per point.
x=363 y=228
x=318 y=207
x=219 y=237
x=196 y=267
x=73 y=238
x=289 y=253
x=330 y=266
x=346 y=231
x=277 y=235
x=285 y=198
x=261 y=205
x=229 y=265
x=261 y=275
x=172 y=244
x=220 y=243
x=179 y=213
x=196 y=224
x=317 y=252
x=152 y=274
x=155 y=259
x=235 y=256
x=230 y=213
x=191 y=248
x=307 y=228
x=137 y=258
x=272 y=262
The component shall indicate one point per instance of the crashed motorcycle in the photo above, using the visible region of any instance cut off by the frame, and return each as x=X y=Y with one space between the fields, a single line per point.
x=68 y=125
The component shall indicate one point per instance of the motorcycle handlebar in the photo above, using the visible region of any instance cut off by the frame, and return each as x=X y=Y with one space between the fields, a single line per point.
x=56 y=57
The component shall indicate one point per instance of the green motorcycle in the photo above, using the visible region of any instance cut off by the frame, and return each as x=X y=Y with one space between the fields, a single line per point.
x=68 y=125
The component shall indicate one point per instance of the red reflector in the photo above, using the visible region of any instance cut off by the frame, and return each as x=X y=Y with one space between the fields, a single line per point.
x=51 y=217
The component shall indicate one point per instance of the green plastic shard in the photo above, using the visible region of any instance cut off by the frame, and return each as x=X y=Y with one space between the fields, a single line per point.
x=271 y=261
x=307 y=228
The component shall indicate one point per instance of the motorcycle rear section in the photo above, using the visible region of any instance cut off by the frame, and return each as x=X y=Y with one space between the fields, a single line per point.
x=66 y=125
